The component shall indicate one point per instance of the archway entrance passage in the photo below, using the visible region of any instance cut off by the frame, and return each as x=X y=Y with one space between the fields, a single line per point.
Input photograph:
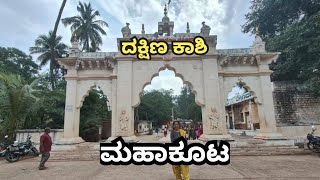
x=190 y=70
x=156 y=106
x=95 y=116
x=84 y=72
x=241 y=108
x=211 y=76
x=164 y=100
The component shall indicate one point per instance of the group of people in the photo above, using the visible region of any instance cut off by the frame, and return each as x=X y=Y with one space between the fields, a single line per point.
x=165 y=131
x=193 y=133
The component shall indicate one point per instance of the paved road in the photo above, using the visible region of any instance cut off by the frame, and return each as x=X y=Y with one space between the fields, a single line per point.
x=249 y=167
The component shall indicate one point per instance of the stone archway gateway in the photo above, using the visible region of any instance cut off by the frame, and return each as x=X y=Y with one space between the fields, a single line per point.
x=211 y=76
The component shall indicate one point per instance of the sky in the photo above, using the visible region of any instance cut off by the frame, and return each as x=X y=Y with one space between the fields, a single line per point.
x=23 y=21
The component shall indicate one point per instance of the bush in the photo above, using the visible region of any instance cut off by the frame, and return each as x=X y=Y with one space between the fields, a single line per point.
x=90 y=134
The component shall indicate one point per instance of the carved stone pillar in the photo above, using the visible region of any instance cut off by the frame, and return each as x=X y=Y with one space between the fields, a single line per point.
x=71 y=116
x=214 y=127
x=123 y=117
x=268 y=129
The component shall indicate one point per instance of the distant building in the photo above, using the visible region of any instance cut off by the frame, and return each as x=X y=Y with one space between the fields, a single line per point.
x=242 y=111
x=143 y=126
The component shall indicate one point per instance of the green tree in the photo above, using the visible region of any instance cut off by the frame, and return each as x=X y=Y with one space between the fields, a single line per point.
x=156 y=106
x=187 y=108
x=292 y=28
x=93 y=111
x=274 y=16
x=85 y=28
x=16 y=100
x=14 y=61
x=49 y=110
x=43 y=47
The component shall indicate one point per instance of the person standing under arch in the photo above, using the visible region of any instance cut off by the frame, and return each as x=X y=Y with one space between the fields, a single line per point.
x=175 y=134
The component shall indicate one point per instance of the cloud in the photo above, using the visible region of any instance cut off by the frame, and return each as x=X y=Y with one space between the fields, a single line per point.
x=23 y=21
x=235 y=91
x=223 y=16
x=166 y=80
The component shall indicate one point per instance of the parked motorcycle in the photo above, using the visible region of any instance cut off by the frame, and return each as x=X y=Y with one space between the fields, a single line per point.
x=18 y=150
x=314 y=141
x=3 y=147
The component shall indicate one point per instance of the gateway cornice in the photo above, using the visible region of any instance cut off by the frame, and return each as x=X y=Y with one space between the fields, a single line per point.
x=244 y=73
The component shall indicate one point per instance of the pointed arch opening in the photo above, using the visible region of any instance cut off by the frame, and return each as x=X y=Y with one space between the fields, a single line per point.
x=241 y=108
x=176 y=74
x=95 y=115
x=165 y=98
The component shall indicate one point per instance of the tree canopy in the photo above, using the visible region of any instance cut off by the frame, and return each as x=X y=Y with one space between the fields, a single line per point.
x=86 y=28
x=157 y=106
x=32 y=100
x=14 y=61
x=292 y=28
x=43 y=47
x=186 y=105
x=17 y=98
x=94 y=110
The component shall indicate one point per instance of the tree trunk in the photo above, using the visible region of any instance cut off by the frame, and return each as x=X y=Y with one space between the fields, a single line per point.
x=52 y=77
x=88 y=47
x=12 y=129
x=52 y=44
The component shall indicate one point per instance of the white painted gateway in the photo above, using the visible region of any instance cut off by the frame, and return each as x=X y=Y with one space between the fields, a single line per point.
x=211 y=76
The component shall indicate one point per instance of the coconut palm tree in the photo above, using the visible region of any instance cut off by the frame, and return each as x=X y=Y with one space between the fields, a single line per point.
x=86 y=28
x=16 y=101
x=43 y=46
x=54 y=33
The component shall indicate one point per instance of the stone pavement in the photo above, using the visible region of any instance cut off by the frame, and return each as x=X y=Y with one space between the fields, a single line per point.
x=302 y=167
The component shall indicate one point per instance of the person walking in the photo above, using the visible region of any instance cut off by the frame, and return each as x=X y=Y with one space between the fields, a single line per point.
x=198 y=132
x=45 y=147
x=176 y=133
x=165 y=132
x=191 y=134
x=156 y=131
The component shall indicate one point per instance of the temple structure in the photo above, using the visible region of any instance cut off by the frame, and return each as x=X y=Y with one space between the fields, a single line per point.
x=211 y=77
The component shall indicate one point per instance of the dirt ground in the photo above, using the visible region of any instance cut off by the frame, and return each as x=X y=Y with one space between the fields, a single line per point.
x=241 y=167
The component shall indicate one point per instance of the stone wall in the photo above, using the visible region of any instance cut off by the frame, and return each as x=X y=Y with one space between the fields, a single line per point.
x=36 y=133
x=294 y=106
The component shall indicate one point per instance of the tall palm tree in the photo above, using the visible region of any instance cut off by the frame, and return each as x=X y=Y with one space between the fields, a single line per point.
x=43 y=45
x=54 y=33
x=16 y=101
x=85 y=28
